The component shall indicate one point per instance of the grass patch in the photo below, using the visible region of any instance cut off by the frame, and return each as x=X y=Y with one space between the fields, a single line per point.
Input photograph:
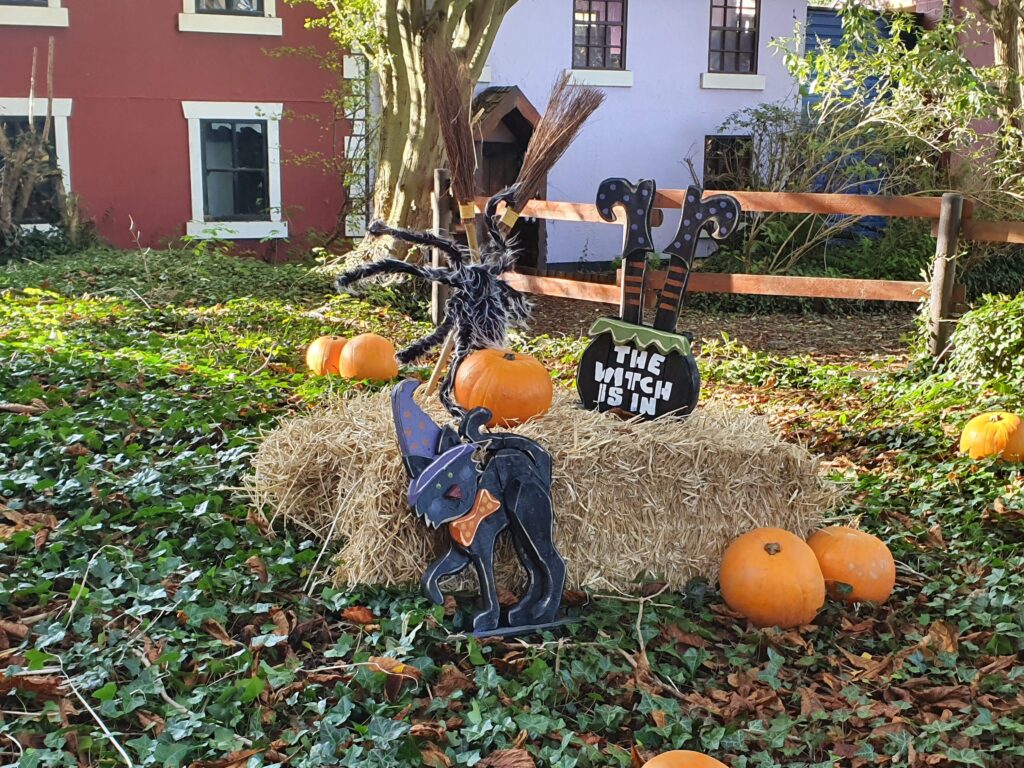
x=138 y=582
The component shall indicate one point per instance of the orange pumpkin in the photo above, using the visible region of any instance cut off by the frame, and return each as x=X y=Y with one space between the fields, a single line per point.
x=683 y=758
x=857 y=566
x=512 y=386
x=994 y=434
x=772 y=577
x=322 y=355
x=368 y=356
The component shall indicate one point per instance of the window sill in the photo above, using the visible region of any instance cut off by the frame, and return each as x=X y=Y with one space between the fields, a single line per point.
x=33 y=17
x=225 y=24
x=237 y=230
x=725 y=81
x=608 y=78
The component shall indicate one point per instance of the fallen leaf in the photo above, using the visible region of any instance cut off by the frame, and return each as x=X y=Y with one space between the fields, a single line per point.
x=231 y=760
x=507 y=598
x=256 y=519
x=148 y=720
x=574 y=597
x=934 y=537
x=674 y=634
x=658 y=716
x=259 y=568
x=450 y=606
x=214 y=628
x=508 y=758
x=358 y=614
x=450 y=680
x=37 y=407
x=809 y=702
x=14 y=629
x=428 y=731
x=47 y=686
x=433 y=757
x=942 y=637
x=398 y=674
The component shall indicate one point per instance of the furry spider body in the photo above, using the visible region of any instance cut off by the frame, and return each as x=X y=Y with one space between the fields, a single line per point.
x=480 y=309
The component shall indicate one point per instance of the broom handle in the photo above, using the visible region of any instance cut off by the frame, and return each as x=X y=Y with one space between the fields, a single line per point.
x=442 y=359
x=467 y=212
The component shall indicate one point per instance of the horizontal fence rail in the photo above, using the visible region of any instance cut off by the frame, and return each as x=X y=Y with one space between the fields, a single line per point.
x=951 y=217
x=714 y=282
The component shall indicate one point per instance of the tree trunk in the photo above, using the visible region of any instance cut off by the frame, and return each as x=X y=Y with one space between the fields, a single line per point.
x=1006 y=20
x=409 y=144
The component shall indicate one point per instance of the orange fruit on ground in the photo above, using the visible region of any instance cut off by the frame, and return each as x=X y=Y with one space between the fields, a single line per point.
x=857 y=566
x=683 y=758
x=994 y=434
x=322 y=355
x=368 y=356
x=514 y=387
x=772 y=577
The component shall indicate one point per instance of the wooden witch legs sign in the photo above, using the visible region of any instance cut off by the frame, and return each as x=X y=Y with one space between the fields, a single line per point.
x=635 y=369
x=479 y=485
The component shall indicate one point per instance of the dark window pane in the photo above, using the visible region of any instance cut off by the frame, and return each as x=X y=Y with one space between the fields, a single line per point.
x=251 y=145
x=43 y=205
x=218 y=146
x=727 y=162
x=236 y=169
x=220 y=195
x=599 y=34
x=241 y=7
x=252 y=195
x=41 y=3
x=732 y=39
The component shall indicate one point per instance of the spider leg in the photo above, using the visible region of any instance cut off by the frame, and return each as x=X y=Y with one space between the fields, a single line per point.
x=419 y=348
x=427 y=239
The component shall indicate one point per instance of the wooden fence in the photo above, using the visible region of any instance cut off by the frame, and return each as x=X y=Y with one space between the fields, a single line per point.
x=951 y=218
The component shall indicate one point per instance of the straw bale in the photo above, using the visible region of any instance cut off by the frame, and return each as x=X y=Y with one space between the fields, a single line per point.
x=633 y=499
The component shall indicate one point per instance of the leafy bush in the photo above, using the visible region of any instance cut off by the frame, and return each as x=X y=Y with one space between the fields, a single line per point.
x=1001 y=271
x=989 y=342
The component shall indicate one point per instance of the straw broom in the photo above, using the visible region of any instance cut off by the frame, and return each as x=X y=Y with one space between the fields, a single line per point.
x=569 y=107
x=449 y=83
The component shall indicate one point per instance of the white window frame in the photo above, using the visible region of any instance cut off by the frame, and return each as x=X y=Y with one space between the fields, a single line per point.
x=198 y=227
x=50 y=15
x=191 y=20
x=19 y=107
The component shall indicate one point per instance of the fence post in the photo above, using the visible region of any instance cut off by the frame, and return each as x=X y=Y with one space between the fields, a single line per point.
x=441 y=208
x=944 y=272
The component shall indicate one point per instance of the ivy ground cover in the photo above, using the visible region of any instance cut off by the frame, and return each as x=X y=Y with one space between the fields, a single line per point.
x=150 y=616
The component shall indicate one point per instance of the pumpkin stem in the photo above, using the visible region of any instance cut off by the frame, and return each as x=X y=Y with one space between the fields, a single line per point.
x=995 y=418
x=772 y=548
x=509 y=356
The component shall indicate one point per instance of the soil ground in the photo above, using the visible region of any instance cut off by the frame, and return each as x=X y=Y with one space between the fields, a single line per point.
x=833 y=338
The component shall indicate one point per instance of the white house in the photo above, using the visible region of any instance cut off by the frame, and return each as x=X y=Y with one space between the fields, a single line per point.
x=673 y=70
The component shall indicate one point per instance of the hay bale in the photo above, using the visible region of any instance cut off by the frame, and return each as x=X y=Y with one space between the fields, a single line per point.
x=632 y=499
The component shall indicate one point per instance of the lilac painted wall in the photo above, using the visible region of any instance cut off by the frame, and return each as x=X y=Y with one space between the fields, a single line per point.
x=648 y=129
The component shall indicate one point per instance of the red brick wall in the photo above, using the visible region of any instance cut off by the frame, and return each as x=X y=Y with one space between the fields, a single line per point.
x=127 y=68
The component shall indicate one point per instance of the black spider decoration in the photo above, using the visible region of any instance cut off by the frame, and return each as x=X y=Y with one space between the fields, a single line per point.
x=481 y=306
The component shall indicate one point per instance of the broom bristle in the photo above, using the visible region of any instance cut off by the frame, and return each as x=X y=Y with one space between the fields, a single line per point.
x=569 y=107
x=451 y=87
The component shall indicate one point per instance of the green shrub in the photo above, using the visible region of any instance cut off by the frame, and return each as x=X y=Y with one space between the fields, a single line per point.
x=1000 y=272
x=989 y=342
